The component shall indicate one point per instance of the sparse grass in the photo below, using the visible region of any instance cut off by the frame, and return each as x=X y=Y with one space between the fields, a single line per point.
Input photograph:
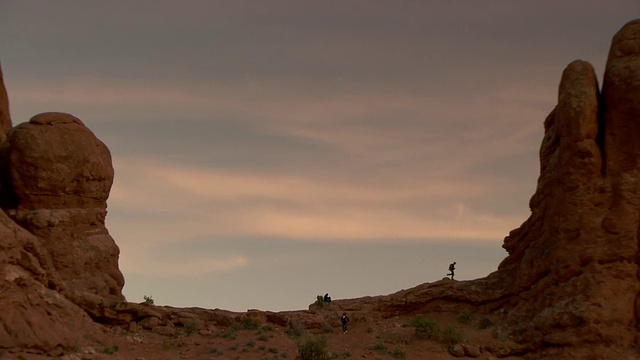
x=451 y=335
x=327 y=329
x=217 y=352
x=166 y=345
x=425 y=328
x=398 y=352
x=249 y=323
x=295 y=330
x=313 y=349
x=190 y=327
x=465 y=317
x=110 y=350
x=379 y=346
x=485 y=323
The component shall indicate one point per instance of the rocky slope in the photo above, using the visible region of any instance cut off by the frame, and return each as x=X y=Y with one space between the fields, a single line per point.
x=568 y=289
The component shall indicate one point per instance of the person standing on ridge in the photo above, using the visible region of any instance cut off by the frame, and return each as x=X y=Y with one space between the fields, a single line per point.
x=345 y=320
x=452 y=267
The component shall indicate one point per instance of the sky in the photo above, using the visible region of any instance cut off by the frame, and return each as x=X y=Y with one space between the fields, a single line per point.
x=267 y=152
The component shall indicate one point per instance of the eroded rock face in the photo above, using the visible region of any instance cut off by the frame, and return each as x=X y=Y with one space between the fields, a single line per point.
x=5 y=118
x=570 y=287
x=61 y=175
x=34 y=314
x=573 y=265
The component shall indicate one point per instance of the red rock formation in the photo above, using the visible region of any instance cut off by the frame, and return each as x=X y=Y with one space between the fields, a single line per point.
x=5 y=118
x=35 y=316
x=570 y=287
x=61 y=175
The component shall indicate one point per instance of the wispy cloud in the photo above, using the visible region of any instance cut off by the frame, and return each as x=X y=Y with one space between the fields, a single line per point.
x=207 y=202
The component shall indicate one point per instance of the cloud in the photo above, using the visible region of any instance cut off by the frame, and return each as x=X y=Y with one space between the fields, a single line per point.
x=193 y=266
x=187 y=202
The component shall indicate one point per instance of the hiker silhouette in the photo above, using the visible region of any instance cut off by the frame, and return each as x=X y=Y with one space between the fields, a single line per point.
x=452 y=268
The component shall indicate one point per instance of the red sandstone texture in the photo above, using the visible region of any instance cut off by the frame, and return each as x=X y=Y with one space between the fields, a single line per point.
x=568 y=289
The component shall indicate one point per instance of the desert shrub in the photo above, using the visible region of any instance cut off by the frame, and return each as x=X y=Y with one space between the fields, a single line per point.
x=166 y=345
x=295 y=329
x=263 y=337
x=190 y=327
x=465 y=317
x=234 y=346
x=251 y=343
x=216 y=351
x=267 y=327
x=110 y=350
x=379 y=346
x=313 y=349
x=230 y=333
x=273 y=350
x=327 y=329
x=249 y=323
x=425 y=328
x=369 y=330
x=451 y=335
x=398 y=353
x=485 y=323
x=148 y=299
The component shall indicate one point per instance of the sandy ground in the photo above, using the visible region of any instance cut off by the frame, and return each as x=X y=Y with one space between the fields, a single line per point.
x=389 y=338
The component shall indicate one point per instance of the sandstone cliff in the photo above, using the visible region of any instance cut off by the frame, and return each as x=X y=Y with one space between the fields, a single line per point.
x=570 y=287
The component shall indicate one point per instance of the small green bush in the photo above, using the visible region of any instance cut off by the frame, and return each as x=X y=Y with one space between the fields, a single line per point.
x=451 y=335
x=425 y=328
x=465 y=317
x=110 y=350
x=485 y=323
x=379 y=346
x=398 y=352
x=148 y=299
x=166 y=345
x=295 y=330
x=263 y=337
x=190 y=327
x=313 y=349
x=249 y=323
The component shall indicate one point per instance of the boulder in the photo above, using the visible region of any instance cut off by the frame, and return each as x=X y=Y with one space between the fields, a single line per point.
x=60 y=176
